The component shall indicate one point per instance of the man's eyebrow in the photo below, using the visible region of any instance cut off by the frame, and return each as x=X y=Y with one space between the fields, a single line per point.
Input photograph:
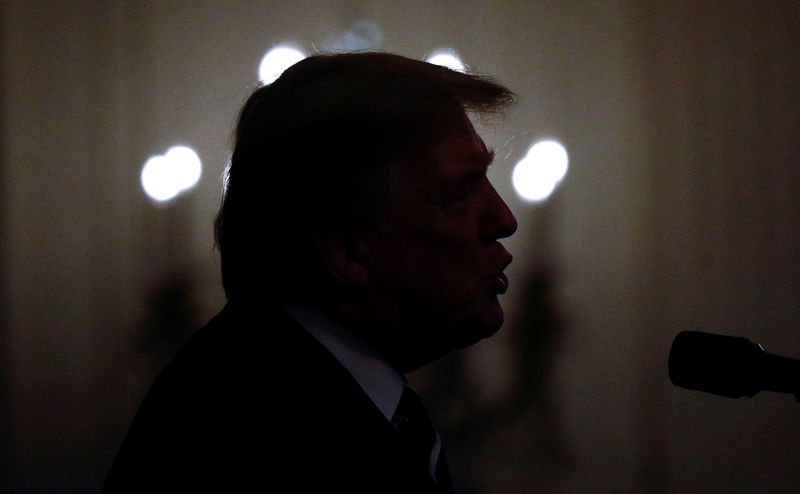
x=484 y=157
x=482 y=161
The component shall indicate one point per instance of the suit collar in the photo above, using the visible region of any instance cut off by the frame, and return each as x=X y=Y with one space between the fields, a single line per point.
x=369 y=367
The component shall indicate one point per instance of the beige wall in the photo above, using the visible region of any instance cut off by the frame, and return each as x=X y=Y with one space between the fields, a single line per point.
x=680 y=212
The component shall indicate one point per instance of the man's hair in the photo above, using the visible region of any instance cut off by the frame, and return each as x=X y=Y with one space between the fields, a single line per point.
x=308 y=148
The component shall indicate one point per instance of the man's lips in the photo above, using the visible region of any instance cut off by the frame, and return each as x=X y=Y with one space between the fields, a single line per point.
x=500 y=283
x=499 y=280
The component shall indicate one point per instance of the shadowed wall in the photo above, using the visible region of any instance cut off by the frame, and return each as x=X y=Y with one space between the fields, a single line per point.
x=679 y=212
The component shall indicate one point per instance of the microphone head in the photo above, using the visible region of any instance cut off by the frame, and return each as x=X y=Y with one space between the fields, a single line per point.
x=723 y=365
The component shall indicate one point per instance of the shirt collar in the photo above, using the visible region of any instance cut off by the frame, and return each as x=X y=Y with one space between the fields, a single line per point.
x=369 y=367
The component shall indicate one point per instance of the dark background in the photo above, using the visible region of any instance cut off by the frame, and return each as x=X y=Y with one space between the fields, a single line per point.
x=680 y=211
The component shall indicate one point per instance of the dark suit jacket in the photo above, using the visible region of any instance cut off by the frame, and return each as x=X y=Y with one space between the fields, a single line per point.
x=254 y=402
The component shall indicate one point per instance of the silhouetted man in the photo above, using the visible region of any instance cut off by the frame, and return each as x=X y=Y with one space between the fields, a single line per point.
x=358 y=236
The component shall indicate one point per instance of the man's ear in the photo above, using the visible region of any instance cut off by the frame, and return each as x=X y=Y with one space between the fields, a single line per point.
x=344 y=255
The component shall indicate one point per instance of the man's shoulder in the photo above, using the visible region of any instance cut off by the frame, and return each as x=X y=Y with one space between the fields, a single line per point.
x=254 y=364
x=253 y=350
x=250 y=385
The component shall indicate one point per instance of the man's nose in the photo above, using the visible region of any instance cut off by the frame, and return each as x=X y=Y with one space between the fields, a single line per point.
x=499 y=221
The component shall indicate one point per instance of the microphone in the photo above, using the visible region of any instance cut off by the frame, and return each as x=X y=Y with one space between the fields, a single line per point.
x=729 y=366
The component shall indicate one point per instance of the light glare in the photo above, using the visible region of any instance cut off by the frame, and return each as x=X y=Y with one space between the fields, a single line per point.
x=276 y=61
x=537 y=175
x=165 y=176
x=157 y=183
x=446 y=58
x=186 y=164
x=363 y=35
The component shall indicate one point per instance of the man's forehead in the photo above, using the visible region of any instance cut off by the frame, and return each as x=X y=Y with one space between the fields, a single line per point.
x=455 y=154
x=461 y=148
x=461 y=128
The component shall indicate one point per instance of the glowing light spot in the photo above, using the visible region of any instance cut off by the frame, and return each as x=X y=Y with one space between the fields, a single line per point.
x=156 y=179
x=363 y=35
x=166 y=176
x=537 y=175
x=186 y=164
x=447 y=58
x=276 y=61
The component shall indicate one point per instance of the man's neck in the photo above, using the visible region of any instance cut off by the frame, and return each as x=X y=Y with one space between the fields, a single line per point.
x=379 y=379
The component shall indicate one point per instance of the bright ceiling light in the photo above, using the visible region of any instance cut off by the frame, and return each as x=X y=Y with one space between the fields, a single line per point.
x=447 y=58
x=165 y=176
x=537 y=175
x=276 y=61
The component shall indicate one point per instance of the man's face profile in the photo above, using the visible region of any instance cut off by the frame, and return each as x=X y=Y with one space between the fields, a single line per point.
x=401 y=242
x=436 y=265
x=358 y=239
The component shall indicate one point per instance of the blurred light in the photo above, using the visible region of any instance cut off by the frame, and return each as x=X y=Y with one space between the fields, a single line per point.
x=276 y=61
x=538 y=174
x=363 y=35
x=165 y=176
x=446 y=58
x=187 y=165
x=156 y=179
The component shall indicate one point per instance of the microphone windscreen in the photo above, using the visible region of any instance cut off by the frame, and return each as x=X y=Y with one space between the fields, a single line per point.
x=723 y=365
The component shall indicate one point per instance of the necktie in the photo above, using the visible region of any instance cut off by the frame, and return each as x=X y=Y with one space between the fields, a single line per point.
x=420 y=438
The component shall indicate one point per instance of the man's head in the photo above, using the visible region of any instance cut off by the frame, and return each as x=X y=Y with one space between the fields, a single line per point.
x=357 y=184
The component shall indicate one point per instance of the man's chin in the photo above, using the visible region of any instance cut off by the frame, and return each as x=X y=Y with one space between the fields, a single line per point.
x=483 y=332
x=456 y=333
x=457 y=341
x=482 y=325
x=492 y=318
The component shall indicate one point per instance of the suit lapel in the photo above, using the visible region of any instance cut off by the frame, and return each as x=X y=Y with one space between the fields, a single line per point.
x=305 y=400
